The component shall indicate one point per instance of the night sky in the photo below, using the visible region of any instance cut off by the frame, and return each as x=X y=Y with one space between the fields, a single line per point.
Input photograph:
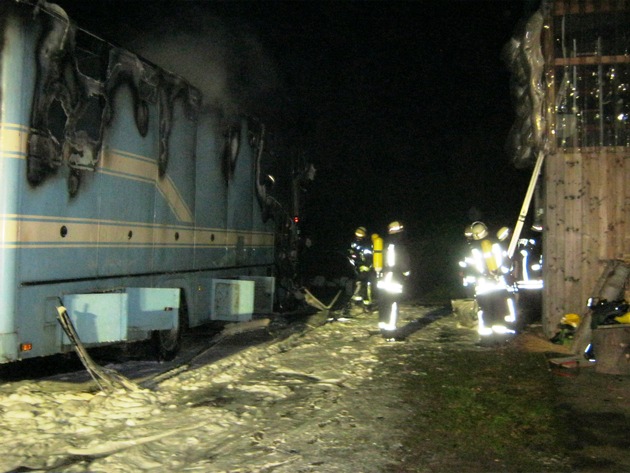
x=410 y=107
x=403 y=107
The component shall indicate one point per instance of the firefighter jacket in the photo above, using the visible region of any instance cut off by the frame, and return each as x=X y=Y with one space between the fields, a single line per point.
x=361 y=255
x=396 y=265
x=528 y=262
x=489 y=258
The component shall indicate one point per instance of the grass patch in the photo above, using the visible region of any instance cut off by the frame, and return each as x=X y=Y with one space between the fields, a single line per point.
x=480 y=410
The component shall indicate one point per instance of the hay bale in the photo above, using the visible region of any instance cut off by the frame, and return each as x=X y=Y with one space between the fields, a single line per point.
x=465 y=311
x=537 y=344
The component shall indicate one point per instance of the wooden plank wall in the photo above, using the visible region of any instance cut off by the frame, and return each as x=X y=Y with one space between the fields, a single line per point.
x=586 y=192
x=587 y=200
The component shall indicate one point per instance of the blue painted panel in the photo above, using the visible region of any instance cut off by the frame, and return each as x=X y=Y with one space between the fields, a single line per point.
x=97 y=318
x=181 y=164
x=51 y=197
x=18 y=65
x=17 y=69
x=48 y=264
x=122 y=133
x=124 y=260
x=262 y=256
x=232 y=300
x=175 y=250
x=241 y=187
x=264 y=291
x=153 y=308
x=9 y=256
x=127 y=181
x=126 y=190
x=53 y=243
x=8 y=347
x=211 y=188
x=206 y=258
x=122 y=198
x=36 y=321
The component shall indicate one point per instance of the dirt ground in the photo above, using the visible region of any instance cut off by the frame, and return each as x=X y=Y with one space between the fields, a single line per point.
x=316 y=394
x=437 y=401
x=499 y=408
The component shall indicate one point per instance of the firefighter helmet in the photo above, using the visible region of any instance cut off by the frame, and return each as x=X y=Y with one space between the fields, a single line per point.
x=503 y=233
x=395 y=227
x=571 y=319
x=477 y=230
x=468 y=232
x=360 y=232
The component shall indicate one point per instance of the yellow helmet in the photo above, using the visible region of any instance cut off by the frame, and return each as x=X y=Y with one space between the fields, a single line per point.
x=395 y=227
x=468 y=232
x=503 y=233
x=477 y=231
x=360 y=232
x=571 y=319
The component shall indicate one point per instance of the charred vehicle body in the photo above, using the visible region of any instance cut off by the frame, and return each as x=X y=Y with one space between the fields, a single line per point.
x=120 y=198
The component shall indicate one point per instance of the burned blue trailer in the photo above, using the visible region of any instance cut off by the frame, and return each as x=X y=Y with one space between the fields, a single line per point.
x=119 y=197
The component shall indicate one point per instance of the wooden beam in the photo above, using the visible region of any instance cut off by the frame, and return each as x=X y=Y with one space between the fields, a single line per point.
x=573 y=7
x=591 y=60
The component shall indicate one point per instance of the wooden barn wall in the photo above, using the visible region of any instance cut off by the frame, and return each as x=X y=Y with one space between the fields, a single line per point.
x=586 y=191
x=587 y=200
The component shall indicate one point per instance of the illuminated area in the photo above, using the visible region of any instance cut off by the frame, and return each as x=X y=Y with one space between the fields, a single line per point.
x=530 y=266
x=393 y=316
x=487 y=327
x=511 y=317
x=487 y=286
x=389 y=284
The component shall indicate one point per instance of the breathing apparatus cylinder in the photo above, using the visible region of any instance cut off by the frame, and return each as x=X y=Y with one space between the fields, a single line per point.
x=488 y=255
x=377 y=257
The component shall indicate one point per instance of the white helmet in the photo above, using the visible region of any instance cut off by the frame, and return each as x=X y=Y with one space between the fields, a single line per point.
x=477 y=231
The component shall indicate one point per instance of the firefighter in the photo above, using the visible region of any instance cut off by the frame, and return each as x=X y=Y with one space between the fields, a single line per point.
x=528 y=278
x=469 y=271
x=392 y=283
x=360 y=253
x=528 y=264
x=494 y=290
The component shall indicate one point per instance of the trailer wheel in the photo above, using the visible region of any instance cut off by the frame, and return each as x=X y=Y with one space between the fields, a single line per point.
x=167 y=343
